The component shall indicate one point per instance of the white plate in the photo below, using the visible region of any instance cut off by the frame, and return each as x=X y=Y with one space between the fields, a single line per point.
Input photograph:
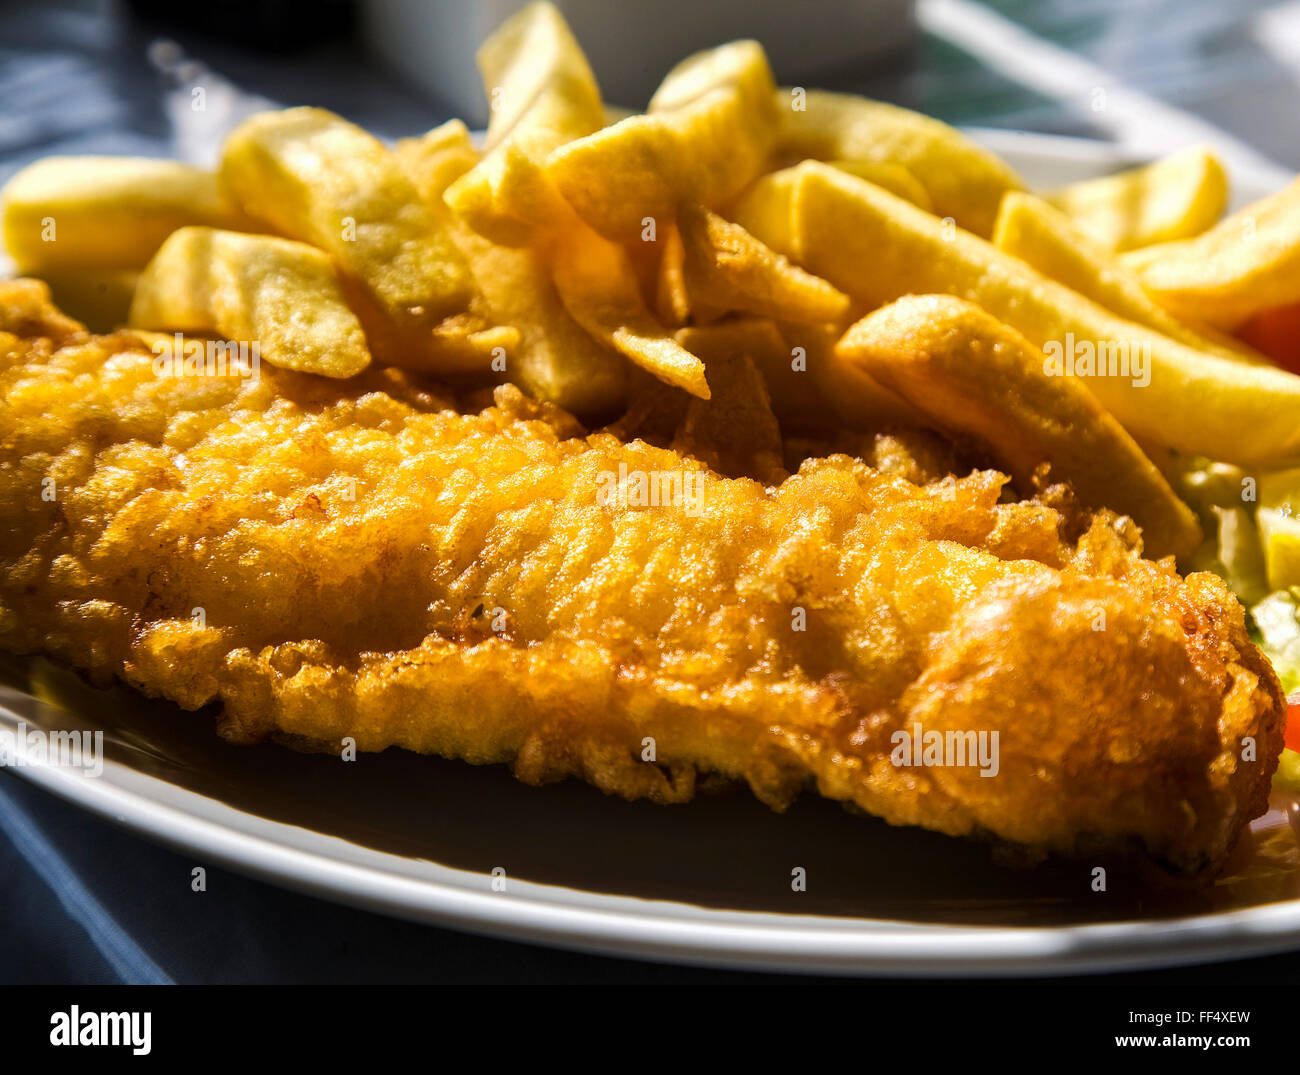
x=706 y=883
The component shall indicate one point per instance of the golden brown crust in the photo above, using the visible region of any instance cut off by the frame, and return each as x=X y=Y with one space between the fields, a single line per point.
x=364 y=561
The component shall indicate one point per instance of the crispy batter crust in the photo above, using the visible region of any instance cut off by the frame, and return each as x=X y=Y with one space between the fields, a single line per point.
x=368 y=562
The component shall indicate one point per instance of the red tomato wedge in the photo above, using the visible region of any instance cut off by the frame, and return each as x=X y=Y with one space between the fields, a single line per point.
x=1275 y=333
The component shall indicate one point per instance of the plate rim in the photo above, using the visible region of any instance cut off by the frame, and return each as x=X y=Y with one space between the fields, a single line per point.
x=662 y=930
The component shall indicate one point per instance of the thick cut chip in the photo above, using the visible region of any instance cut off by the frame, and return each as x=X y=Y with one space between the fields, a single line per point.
x=549 y=96
x=465 y=343
x=672 y=303
x=734 y=431
x=851 y=397
x=893 y=177
x=542 y=94
x=962 y=179
x=1247 y=263
x=1042 y=236
x=796 y=364
x=809 y=386
x=727 y=268
x=537 y=79
x=66 y=213
x=278 y=296
x=790 y=391
x=973 y=376
x=557 y=359
x=878 y=248
x=554 y=359
x=315 y=177
x=1174 y=198
x=598 y=287
x=708 y=133
x=437 y=159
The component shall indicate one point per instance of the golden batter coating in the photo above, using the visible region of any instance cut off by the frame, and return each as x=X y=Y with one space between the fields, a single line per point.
x=360 y=559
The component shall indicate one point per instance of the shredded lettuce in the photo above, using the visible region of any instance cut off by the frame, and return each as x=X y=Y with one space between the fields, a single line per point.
x=1232 y=549
x=1240 y=559
x=1288 y=771
x=1252 y=541
x=1277 y=623
x=1277 y=620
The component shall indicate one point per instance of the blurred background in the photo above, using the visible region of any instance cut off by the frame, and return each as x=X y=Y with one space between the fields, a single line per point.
x=120 y=76
x=83 y=901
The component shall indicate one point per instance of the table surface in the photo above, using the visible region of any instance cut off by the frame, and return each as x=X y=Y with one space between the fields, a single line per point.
x=84 y=901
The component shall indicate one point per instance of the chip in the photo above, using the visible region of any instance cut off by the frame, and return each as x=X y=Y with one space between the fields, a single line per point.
x=727 y=268
x=314 y=177
x=66 y=213
x=281 y=298
x=553 y=358
x=962 y=179
x=543 y=95
x=1046 y=239
x=708 y=133
x=877 y=248
x=972 y=376
x=1174 y=198
x=1248 y=262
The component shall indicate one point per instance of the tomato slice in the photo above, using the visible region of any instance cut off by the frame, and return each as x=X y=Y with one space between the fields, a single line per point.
x=1275 y=333
x=1292 y=733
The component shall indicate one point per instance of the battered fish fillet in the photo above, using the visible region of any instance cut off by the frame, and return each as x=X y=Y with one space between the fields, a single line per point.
x=362 y=560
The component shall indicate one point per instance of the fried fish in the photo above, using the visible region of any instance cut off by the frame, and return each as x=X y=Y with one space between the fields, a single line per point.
x=364 y=559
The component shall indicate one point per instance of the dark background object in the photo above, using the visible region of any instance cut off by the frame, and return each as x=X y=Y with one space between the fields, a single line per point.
x=271 y=26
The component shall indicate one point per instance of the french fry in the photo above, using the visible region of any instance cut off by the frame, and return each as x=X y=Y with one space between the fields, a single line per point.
x=893 y=177
x=1248 y=262
x=538 y=80
x=672 y=304
x=962 y=179
x=68 y=213
x=276 y=294
x=465 y=343
x=735 y=431
x=973 y=376
x=877 y=248
x=548 y=97
x=596 y=283
x=314 y=177
x=1174 y=198
x=727 y=268
x=543 y=95
x=508 y=197
x=554 y=359
x=435 y=160
x=850 y=396
x=708 y=133
x=760 y=339
x=808 y=383
x=1043 y=237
